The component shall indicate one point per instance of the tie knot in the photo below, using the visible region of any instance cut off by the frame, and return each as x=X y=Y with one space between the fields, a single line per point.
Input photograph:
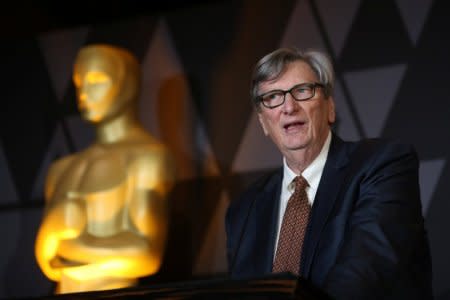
x=300 y=183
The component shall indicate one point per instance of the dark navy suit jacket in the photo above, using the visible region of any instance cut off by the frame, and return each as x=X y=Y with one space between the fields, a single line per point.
x=366 y=236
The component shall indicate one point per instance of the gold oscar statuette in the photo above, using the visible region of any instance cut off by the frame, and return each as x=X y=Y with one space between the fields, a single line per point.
x=106 y=211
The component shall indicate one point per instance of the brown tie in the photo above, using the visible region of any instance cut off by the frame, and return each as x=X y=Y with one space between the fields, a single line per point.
x=293 y=229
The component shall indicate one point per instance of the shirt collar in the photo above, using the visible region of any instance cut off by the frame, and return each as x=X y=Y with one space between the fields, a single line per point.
x=312 y=173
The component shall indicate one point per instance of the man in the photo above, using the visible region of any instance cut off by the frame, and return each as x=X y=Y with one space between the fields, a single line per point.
x=363 y=234
x=106 y=217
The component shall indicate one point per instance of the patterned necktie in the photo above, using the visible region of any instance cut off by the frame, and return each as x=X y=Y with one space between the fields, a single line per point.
x=293 y=229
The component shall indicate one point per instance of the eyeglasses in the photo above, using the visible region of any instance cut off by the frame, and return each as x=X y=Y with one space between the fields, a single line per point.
x=300 y=92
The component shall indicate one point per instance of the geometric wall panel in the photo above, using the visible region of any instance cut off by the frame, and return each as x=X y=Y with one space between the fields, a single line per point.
x=302 y=30
x=429 y=175
x=167 y=110
x=59 y=49
x=57 y=148
x=337 y=20
x=345 y=125
x=373 y=92
x=414 y=14
x=256 y=151
x=159 y=65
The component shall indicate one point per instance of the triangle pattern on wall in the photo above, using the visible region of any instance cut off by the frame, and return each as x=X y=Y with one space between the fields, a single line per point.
x=337 y=19
x=256 y=151
x=301 y=30
x=57 y=148
x=59 y=49
x=168 y=111
x=160 y=64
x=429 y=175
x=414 y=14
x=373 y=92
x=345 y=125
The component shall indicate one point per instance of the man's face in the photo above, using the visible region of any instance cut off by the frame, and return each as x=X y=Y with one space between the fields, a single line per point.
x=297 y=125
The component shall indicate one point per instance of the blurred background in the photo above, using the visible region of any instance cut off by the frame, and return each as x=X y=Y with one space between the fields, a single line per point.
x=392 y=60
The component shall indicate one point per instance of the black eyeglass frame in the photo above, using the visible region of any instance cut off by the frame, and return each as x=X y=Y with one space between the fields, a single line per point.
x=311 y=85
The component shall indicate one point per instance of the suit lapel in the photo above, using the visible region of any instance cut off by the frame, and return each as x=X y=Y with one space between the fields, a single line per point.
x=330 y=182
x=266 y=214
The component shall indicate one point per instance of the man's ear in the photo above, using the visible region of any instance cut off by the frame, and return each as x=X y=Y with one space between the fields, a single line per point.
x=263 y=125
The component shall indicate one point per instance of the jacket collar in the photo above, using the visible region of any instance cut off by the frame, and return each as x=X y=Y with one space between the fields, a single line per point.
x=328 y=190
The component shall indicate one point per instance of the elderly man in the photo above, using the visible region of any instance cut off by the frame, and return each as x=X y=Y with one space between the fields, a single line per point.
x=346 y=216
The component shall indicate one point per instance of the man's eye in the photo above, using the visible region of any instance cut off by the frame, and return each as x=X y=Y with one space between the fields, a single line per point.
x=271 y=97
x=301 y=90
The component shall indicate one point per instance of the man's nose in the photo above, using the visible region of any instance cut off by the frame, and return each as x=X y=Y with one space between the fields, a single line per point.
x=290 y=104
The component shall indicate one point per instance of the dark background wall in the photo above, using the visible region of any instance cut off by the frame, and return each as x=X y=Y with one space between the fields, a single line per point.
x=392 y=62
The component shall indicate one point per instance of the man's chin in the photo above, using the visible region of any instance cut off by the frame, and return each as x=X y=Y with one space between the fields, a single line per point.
x=295 y=147
x=295 y=144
